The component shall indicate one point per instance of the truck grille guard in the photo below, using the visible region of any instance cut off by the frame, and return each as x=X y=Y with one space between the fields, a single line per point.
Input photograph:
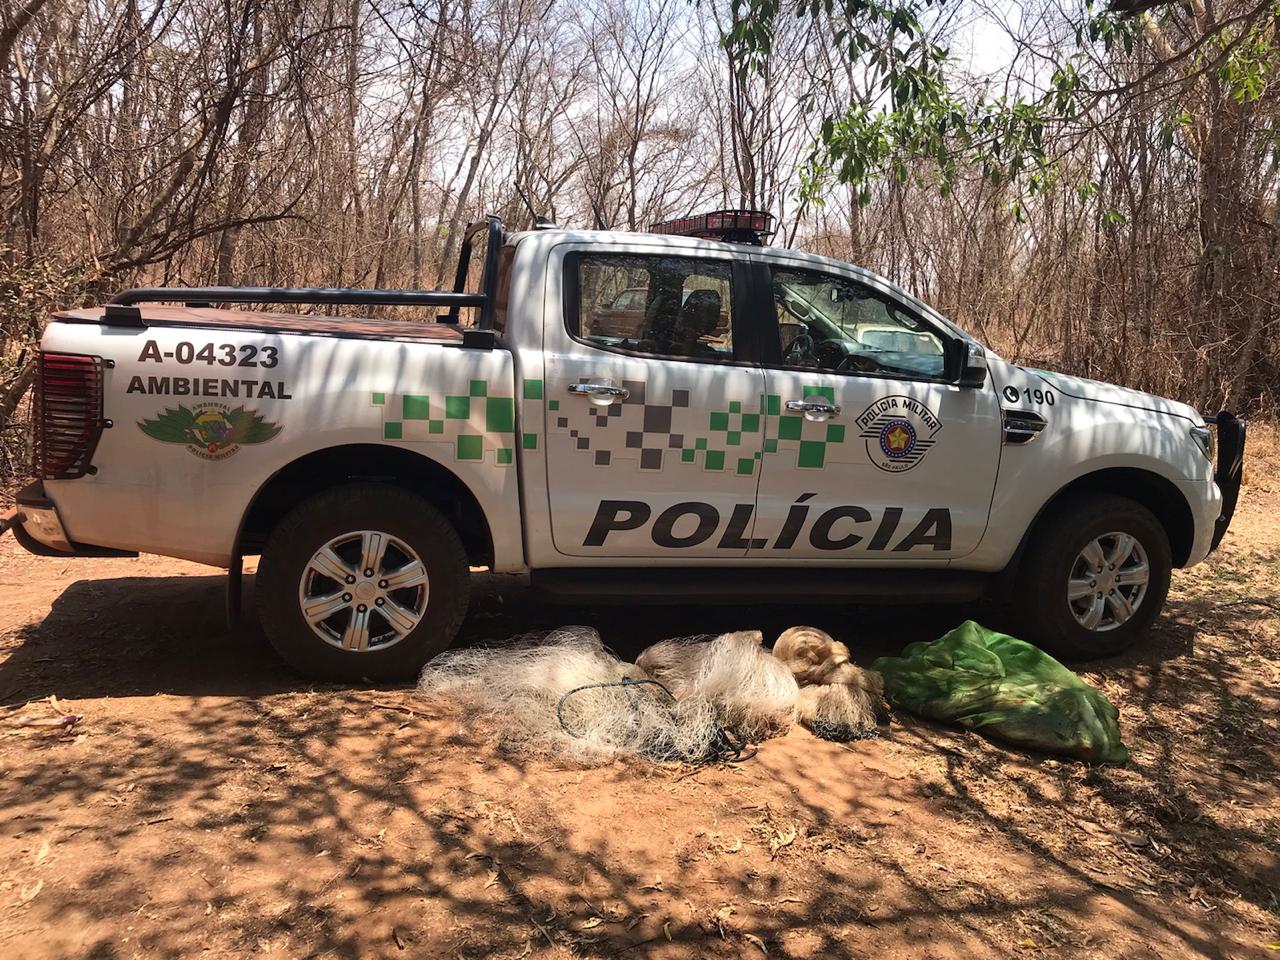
x=1229 y=470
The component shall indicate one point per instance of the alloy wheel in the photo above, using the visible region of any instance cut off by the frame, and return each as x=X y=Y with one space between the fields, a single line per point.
x=1108 y=581
x=363 y=591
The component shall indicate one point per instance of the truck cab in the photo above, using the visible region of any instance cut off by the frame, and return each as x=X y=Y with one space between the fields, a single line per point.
x=685 y=414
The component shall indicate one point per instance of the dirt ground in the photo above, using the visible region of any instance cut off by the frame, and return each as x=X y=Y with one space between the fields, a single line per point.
x=210 y=803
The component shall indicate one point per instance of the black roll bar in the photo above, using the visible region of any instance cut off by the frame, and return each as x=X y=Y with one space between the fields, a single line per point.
x=454 y=299
x=488 y=283
x=206 y=295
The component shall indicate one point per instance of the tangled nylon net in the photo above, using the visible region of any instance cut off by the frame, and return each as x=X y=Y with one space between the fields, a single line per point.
x=566 y=695
x=754 y=694
x=836 y=711
x=838 y=700
x=539 y=695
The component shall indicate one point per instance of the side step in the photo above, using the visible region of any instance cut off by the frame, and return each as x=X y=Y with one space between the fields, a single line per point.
x=756 y=585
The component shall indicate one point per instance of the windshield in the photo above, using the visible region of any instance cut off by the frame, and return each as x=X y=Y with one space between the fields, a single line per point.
x=832 y=323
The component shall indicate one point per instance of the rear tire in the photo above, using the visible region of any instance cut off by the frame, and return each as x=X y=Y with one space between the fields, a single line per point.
x=365 y=581
x=1084 y=590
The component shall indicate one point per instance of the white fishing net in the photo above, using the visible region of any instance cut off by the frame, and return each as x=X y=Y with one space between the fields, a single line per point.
x=753 y=694
x=811 y=654
x=566 y=695
x=837 y=711
x=511 y=693
x=838 y=699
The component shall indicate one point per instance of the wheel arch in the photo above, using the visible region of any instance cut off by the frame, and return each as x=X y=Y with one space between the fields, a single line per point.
x=323 y=469
x=1158 y=494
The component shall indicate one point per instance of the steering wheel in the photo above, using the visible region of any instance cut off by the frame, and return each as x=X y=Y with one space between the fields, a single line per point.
x=857 y=362
x=831 y=355
x=800 y=349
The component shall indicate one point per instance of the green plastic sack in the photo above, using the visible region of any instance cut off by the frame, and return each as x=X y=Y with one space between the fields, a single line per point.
x=1005 y=688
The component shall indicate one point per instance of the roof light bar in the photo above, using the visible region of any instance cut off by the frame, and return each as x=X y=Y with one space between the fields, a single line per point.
x=732 y=226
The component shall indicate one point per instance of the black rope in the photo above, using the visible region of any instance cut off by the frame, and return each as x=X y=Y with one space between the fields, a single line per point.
x=626 y=683
x=840 y=733
x=727 y=747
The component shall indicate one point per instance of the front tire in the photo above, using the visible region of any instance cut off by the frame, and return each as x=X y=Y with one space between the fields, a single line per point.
x=1095 y=577
x=363 y=581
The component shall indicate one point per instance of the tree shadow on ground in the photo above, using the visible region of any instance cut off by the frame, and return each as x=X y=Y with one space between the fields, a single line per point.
x=245 y=809
x=138 y=635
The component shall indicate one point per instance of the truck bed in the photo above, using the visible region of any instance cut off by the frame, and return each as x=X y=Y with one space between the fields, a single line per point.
x=324 y=326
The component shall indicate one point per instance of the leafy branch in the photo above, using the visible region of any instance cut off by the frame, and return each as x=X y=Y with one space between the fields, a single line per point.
x=917 y=111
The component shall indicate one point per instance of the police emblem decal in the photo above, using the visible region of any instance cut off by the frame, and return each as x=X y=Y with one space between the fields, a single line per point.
x=210 y=431
x=897 y=439
x=898 y=431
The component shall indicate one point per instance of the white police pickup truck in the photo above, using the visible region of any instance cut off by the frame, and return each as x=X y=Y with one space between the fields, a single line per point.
x=682 y=414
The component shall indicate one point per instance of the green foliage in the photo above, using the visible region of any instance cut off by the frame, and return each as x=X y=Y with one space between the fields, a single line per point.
x=1113 y=218
x=1249 y=63
x=1169 y=127
x=29 y=291
x=1106 y=28
x=917 y=113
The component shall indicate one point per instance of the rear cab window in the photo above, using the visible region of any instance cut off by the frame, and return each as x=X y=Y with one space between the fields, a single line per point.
x=653 y=305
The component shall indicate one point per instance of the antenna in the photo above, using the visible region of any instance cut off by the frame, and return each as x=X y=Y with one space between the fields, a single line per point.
x=539 y=221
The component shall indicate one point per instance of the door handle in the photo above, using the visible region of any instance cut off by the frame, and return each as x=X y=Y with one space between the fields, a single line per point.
x=599 y=390
x=814 y=409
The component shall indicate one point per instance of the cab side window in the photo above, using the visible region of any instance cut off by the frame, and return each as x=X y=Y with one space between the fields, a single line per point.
x=665 y=306
x=838 y=325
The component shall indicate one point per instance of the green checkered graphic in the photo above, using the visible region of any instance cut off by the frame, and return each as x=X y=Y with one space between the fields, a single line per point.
x=810 y=440
x=416 y=408
x=530 y=390
x=731 y=427
x=474 y=423
x=728 y=428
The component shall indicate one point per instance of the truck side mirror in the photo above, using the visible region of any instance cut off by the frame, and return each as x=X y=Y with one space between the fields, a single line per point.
x=969 y=363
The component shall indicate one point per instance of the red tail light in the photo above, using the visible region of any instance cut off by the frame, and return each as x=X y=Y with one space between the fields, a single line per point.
x=69 y=414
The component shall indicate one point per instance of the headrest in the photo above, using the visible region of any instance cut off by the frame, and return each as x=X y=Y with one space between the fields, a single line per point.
x=702 y=300
x=701 y=310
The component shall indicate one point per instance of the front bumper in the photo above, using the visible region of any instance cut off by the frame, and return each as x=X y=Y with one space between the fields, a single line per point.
x=1229 y=471
x=36 y=525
